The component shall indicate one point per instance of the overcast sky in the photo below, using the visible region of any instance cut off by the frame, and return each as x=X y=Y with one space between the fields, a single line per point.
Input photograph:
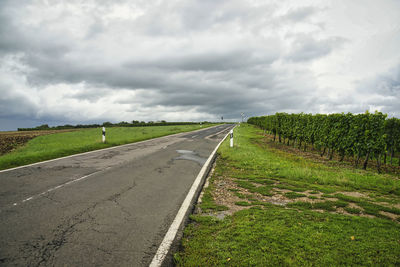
x=121 y=60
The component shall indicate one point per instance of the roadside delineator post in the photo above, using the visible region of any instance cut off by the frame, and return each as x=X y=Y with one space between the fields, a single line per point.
x=104 y=134
x=231 y=134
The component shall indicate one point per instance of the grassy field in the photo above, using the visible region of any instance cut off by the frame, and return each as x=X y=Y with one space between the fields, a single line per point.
x=67 y=143
x=10 y=141
x=265 y=206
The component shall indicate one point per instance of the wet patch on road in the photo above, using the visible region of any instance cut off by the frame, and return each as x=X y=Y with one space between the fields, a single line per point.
x=190 y=155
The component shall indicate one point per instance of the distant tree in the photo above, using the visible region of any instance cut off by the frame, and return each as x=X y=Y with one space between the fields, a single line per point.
x=107 y=124
x=123 y=124
x=43 y=127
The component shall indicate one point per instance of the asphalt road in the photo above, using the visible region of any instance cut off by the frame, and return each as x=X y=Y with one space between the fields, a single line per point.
x=106 y=208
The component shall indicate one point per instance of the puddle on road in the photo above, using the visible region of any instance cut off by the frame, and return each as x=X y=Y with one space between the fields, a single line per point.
x=191 y=155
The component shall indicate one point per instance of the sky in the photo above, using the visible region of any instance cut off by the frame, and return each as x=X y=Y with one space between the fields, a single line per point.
x=87 y=61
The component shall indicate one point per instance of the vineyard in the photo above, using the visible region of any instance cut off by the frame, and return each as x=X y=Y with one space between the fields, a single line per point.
x=362 y=137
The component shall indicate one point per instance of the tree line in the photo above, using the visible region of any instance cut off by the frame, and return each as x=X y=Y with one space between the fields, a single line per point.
x=361 y=136
x=107 y=124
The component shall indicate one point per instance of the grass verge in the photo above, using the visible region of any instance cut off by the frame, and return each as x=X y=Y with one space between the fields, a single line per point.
x=68 y=143
x=268 y=207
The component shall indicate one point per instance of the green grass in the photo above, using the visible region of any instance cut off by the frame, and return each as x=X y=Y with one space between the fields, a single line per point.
x=278 y=237
x=293 y=195
x=271 y=235
x=243 y=203
x=63 y=144
x=352 y=210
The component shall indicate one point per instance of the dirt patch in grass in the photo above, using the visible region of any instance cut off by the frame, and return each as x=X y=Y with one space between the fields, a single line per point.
x=281 y=190
x=342 y=211
x=223 y=196
x=389 y=214
x=228 y=192
x=353 y=194
x=354 y=206
x=310 y=200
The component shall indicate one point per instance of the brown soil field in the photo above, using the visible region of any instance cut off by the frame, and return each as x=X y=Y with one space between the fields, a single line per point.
x=12 y=140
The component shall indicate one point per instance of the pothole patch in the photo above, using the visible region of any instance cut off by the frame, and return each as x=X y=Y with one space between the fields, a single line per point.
x=190 y=155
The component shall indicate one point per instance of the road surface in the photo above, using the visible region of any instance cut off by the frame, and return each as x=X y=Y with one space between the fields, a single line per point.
x=105 y=208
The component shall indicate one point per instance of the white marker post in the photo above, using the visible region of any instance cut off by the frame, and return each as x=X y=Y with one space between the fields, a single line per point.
x=104 y=134
x=231 y=133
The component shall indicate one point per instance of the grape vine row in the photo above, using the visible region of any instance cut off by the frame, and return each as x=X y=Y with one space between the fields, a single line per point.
x=362 y=136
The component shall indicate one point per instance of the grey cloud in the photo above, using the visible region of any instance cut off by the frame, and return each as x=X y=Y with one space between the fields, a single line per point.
x=187 y=17
x=90 y=94
x=385 y=89
x=300 y=14
x=385 y=84
x=16 y=37
x=14 y=104
x=17 y=107
x=305 y=47
x=210 y=61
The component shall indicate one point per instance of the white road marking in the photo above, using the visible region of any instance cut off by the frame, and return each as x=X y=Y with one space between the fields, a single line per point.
x=209 y=136
x=194 y=136
x=173 y=229
x=58 y=187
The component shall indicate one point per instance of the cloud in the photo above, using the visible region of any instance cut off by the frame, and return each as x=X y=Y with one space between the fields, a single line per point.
x=95 y=61
x=382 y=92
x=300 y=14
x=305 y=47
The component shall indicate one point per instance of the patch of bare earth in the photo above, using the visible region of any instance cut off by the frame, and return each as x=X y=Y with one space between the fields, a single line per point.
x=390 y=215
x=223 y=196
x=227 y=190
x=353 y=194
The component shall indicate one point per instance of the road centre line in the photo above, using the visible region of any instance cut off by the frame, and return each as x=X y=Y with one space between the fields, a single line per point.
x=209 y=136
x=57 y=187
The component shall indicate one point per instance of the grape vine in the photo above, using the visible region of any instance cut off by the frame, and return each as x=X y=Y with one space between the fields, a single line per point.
x=361 y=136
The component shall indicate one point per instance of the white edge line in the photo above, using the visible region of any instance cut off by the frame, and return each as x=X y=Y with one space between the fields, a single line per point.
x=103 y=149
x=169 y=237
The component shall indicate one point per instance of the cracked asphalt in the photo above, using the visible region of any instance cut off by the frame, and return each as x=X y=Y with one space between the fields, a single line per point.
x=106 y=208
